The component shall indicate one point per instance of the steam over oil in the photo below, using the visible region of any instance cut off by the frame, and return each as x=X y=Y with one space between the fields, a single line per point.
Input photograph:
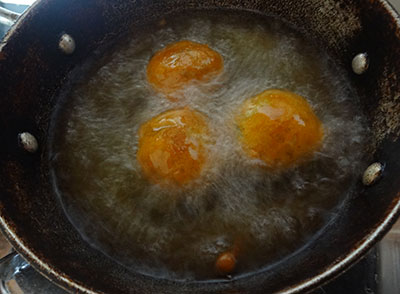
x=234 y=205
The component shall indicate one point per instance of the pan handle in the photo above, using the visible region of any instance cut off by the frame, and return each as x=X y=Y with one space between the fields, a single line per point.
x=8 y=17
x=18 y=277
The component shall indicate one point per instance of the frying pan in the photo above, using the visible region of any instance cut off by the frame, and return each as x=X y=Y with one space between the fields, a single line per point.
x=33 y=69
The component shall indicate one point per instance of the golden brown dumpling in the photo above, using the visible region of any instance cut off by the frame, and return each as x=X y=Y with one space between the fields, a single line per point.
x=279 y=127
x=178 y=64
x=172 y=146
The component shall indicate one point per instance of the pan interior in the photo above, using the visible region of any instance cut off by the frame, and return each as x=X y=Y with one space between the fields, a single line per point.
x=179 y=233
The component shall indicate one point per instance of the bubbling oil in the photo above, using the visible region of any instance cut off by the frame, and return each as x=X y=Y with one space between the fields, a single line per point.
x=236 y=204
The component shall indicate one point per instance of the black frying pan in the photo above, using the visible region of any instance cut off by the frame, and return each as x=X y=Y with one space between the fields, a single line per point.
x=33 y=69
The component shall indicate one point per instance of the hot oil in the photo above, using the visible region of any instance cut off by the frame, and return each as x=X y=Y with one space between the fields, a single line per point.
x=236 y=204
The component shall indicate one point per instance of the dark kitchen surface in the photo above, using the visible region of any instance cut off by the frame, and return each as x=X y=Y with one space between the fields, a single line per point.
x=362 y=278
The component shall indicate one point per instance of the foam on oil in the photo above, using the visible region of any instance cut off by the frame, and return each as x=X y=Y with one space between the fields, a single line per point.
x=179 y=233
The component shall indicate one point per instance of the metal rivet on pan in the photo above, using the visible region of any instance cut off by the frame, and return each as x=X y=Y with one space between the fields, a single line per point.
x=372 y=174
x=66 y=44
x=360 y=63
x=28 y=142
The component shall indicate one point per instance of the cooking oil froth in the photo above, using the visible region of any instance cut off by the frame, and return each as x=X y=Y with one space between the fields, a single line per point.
x=179 y=233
